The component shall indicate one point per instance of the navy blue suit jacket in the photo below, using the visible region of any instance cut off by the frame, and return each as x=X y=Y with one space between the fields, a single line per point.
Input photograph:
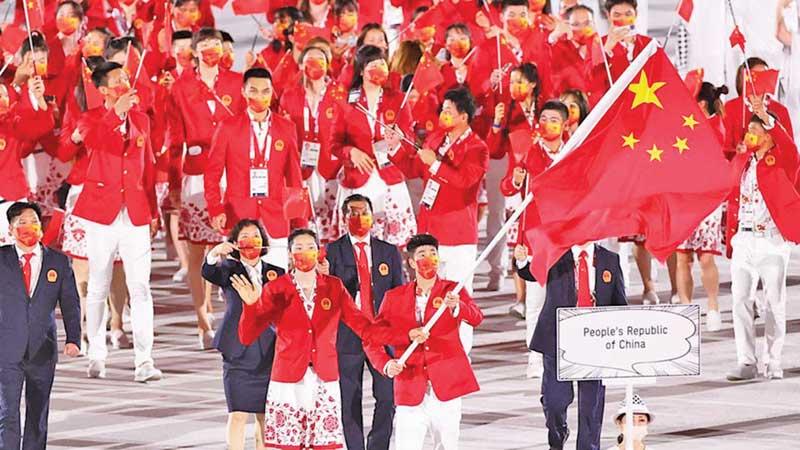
x=28 y=324
x=561 y=292
x=343 y=266
x=226 y=339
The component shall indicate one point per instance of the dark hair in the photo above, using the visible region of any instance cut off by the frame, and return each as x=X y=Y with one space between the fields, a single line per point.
x=460 y=27
x=256 y=72
x=100 y=73
x=301 y=232
x=356 y=198
x=751 y=62
x=583 y=103
x=711 y=95
x=342 y=6
x=366 y=29
x=179 y=3
x=76 y=7
x=364 y=56
x=556 y=105
x=226 y=37
x=39 y=43
x=418 y=11
x=181 y=34
x=93 y=61
x=578 y=7
x=463 y=101
x=292 y=14
x=507 y=3
x=204 y=34
x=530 y=72
x=612 y=3
x=120 y=44
x=755 y=119
x=418 y=240
x=233 y=236
x=18 y=208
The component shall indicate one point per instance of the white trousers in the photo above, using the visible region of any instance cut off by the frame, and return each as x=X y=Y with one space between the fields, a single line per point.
x=132 y=243
x=443 y=419
x=496 y=215
x=456 y=262
x=767 y=259
x=534 y=301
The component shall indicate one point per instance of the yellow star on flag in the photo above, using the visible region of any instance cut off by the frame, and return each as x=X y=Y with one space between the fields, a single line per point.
x=630 y=141
x=681 y=144
x=655 y=153
x=688 y=121
x=645 y=92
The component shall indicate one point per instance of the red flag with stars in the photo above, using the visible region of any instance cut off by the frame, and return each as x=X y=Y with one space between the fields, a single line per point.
x=428 y=74
x=737 y=38
x=646 y=161
x=763 y=82
x=685 y=8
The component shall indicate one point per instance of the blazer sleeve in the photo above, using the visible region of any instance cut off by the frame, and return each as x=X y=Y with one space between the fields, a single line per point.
x=376 y=353
x=379 y=333
x=468 y=311
x=258 y=316
x=216 y=166
x=618 y=297
x=471 y=170
x=398 y=275
x=216 y=274
x=406 y=160
x=70 y=305
x=525 y=272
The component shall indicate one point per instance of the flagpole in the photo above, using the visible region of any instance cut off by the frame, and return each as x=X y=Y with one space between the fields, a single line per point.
x=5 y=66
x=408 y=93
x=253 y=45
x=507 y=226
x=744 y=52
x=402 y=135
x=139 y=68
x=599 y=42
x=8 y=10
x=499 y=63
x=28 y=26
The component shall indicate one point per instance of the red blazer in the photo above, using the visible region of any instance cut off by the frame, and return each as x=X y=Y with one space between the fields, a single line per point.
x=536 y=162
x=454 y=216
x=617 y=63
x=441 y=360
x=293 y=104
x=776 y=173
x=302 y=342
x=19 y=127
x=190 y=120
x=498 y=142
x=121 y=168
x=230 y=153
x=353 y=130
x=570 y=70
x=737 y=117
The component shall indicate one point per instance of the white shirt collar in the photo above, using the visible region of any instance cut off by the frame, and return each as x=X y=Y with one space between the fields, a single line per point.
x=253 y=119
x=37 y=251
x=354 y=240
x=577 y=249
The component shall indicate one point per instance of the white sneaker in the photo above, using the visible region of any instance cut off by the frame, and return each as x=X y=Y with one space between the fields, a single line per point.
x=675 y=299
x=119 y=340
x=206 y=339
x=96 y=369
x=535 y=367
x=180 y=275
x=517 y=310
x=147 y=372
x=774 y=372
x=650 y=298
x=713 y=321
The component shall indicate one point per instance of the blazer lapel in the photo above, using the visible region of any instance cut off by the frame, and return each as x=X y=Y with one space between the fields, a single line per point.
x=348 y=252
x=603 y=276
x=434 y=298
x=570 y=289
x=15 y=270
x=45 y=269
x=320 y=294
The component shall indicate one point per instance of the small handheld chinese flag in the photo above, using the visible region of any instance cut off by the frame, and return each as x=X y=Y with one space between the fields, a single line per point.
x=763 y=82
x=521 y=142
x=694 y=81
x=428 y=75
x=296 y=203
x=685 y=8
x=12 y=38
x=737 y=38
x=246 y=7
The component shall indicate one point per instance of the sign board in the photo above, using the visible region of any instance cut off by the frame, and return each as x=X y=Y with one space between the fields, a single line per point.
x=628 y=342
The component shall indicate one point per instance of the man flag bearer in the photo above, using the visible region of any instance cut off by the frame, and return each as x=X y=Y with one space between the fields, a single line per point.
x=429 y=387
x=257 y=151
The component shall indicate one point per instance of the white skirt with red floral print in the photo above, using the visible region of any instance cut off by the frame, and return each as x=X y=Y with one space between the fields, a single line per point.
x=304 y=415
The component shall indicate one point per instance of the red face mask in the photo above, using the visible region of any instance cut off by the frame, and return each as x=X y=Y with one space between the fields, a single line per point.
x=624 y=22
x=319 y=2
x=305 y=261
x=91 y=50
x=347 y=22
x=551 y=131
x=185 y=57
x=359 y=225
x=378 y=75
x=280 y=30
x=211 y=56
x=426 y=34
x=458 y=48
x=518 y=25
x=751 y=141
x=226 y=62
x=28 y=235
x=585 y=36
x=574 y=114
x=520 y=91
x=250 y=248
x=67 y=25
x=428 y=267
x=121 y=89
x=40 y=68
x=315 y=68
x=187 y=19
x=446 y=121
x=259 y=105
x=537 y=5
x=128 y=2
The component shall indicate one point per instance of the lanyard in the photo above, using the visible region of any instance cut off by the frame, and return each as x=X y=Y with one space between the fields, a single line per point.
x=309 y=114
x=259 y=155
x=373 y=124
x=446 y=146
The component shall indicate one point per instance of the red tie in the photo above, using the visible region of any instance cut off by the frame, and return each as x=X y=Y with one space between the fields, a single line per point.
x=584 y=294
x=26 y=271
x=365 y=279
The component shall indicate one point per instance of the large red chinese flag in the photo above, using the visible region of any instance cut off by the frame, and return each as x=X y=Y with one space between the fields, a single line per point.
x=645 y=161
x=245 y=7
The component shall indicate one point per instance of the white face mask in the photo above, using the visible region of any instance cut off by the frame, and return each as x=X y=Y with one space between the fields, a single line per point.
x=639 y=432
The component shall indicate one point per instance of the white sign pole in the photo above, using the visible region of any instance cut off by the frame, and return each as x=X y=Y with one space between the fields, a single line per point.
x=628 y=435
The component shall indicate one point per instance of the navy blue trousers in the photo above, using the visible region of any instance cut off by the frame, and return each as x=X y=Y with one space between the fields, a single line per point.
x=351 y=373
x=556 y=398
x=36 y=375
